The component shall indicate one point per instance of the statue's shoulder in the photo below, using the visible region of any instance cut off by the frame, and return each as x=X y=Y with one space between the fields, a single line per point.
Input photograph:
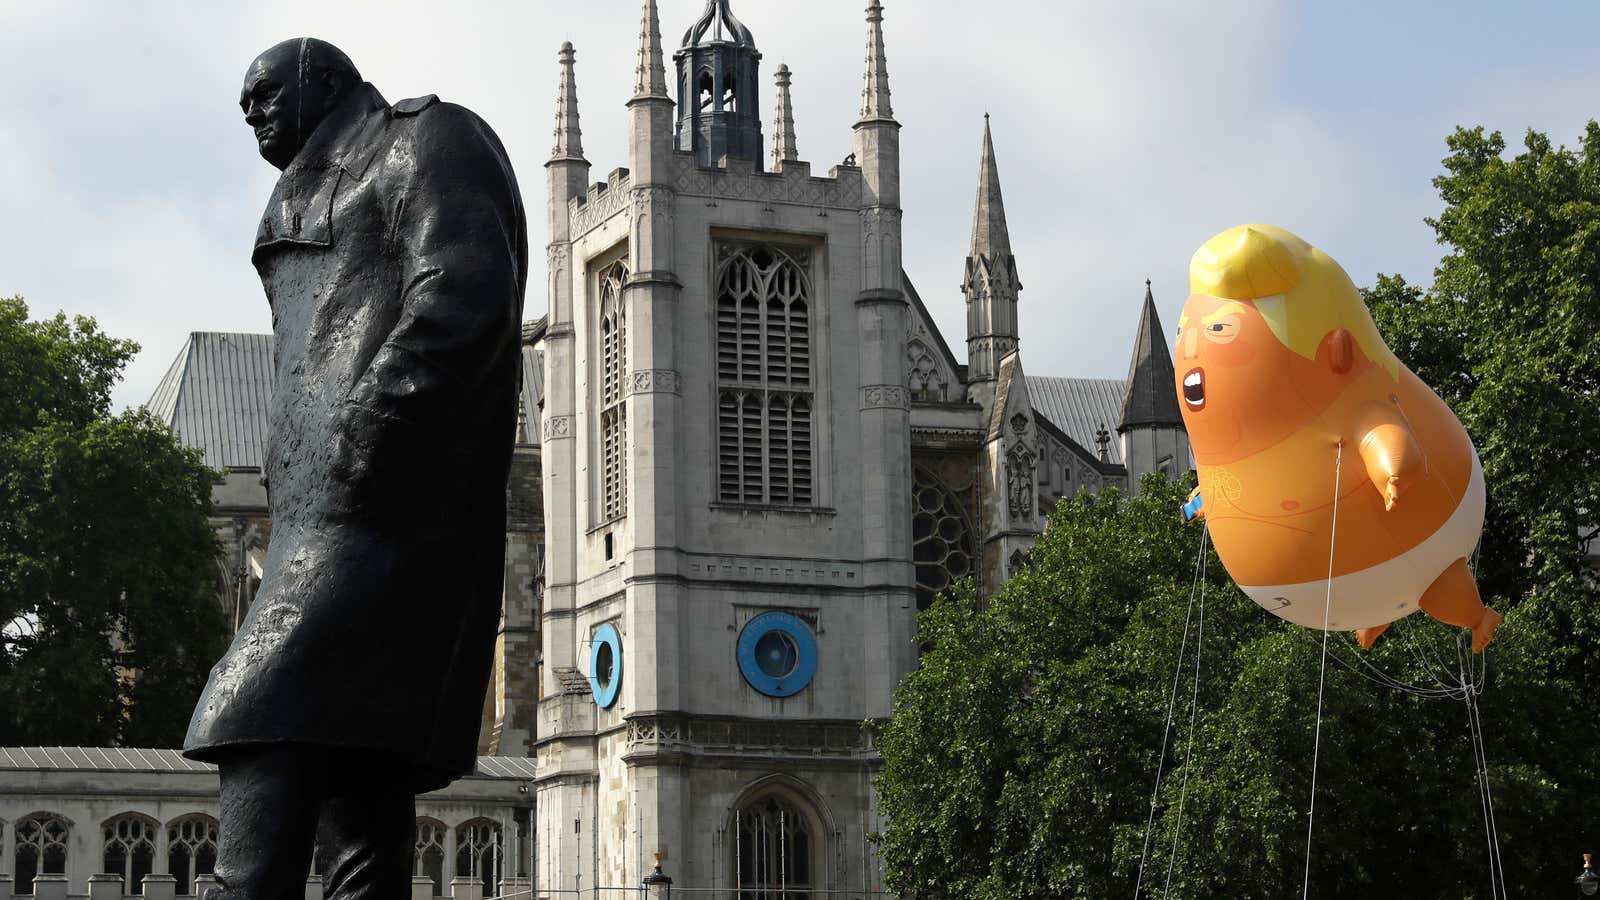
x=414 y=105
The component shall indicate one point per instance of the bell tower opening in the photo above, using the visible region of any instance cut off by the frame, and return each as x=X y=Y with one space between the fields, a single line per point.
x=719 y=69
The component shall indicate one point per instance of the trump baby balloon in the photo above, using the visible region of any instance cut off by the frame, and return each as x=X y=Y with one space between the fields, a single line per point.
x=1288 y=390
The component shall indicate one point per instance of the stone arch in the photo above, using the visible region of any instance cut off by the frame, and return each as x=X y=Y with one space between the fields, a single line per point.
x=40 y=841
x=427 y=851
x=780 y=836
x=480 y=852
x=128 y=848
x=191 y=849
x=924 y=373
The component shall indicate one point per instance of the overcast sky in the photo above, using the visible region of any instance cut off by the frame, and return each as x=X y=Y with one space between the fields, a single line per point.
x=1126 y=132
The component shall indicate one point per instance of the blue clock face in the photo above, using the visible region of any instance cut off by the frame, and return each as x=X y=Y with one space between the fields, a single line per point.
x=605 y=665
x=777 y=654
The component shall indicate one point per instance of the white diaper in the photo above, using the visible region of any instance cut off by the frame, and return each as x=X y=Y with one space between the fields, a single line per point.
x=1389 y=590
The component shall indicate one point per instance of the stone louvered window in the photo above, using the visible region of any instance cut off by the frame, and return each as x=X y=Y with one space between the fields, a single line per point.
x=479 y=853
x=129 y=849
x=774 y=850
x=191 y=850
x=765 y=393
x=427 y=853
x=613 y=393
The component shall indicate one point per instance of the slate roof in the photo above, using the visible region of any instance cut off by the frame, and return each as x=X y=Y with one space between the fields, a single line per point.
x=216 y=396
x=1079 y=407
x=131 y=759
x=1151 y=398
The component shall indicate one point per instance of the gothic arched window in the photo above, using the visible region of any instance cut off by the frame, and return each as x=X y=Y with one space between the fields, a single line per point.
x=129 y=849
x=775 y=849
x=480 y=853
x=613 y=393
x=191 y=850
x=427 y=853
x=924 y=374
x=941 y=538
x=765 y=396
x=41 y=848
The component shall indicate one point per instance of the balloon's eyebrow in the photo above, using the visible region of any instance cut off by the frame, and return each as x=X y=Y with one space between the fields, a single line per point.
x=1231 y=308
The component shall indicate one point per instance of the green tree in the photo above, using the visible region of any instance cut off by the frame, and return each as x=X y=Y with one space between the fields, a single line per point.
x=1022 y=754
x=107 y=619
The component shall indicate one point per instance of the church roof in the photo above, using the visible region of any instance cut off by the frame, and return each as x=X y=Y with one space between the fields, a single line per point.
x=1079 y=407
x=216 y=396
x=1151 y=398
x=132 y=759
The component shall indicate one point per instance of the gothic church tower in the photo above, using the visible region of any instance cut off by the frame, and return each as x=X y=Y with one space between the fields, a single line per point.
x=730 y=588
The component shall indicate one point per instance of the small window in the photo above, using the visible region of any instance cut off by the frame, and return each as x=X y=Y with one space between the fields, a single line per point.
x=191 y=850
x=479 y=853
x=41 y=848
x=774 y=849
x=427 y=853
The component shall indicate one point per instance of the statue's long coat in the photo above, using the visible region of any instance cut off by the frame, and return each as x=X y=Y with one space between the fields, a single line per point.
x=394 y=255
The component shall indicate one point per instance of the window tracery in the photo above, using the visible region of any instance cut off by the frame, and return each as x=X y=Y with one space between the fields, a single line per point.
x=941 y=538
x=774 y=851
x=479 y=853
x=924 y=374
x=427 y=853
x=191 y=850
x=613 y=392
x=128 y=849
x=765 y=394
x=41 y=848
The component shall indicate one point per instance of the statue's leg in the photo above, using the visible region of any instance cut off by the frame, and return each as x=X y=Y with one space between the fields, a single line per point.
x=270 y=796
x=366 y=831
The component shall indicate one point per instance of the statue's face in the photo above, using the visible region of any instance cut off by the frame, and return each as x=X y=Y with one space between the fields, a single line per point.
x=282 y=104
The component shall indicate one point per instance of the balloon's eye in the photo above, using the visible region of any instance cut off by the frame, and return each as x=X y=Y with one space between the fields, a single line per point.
x=1222 y=330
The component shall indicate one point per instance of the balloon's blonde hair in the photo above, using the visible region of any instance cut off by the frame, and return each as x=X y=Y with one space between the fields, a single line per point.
x=1301 y=292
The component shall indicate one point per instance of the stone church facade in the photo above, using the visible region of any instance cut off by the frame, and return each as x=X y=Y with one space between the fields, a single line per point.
x=746 y=458
x=760 y=458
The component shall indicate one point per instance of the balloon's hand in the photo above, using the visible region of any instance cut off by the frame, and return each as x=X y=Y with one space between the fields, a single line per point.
x=1193 y=508
x=1393 y=460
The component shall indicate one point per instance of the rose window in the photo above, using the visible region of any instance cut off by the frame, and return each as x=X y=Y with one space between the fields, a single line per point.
x=941 y=539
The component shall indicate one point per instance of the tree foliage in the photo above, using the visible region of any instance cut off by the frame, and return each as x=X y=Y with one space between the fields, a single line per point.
x=107 y=563
x=1022 y=754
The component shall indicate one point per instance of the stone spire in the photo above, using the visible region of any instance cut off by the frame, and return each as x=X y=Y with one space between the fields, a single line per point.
x=651 y=74
x=783 y=147
x=1150 y=399
x=991 y=283
x=569 y=138
x=991 y=240
x=875 y=87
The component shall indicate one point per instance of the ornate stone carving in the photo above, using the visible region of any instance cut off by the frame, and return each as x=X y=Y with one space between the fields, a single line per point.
x=1019 y=424
x=646 y=733
x=601 y=207
x=947 y=437
x=793 y=185
x=885 y=396
x=557 y=427
x=654 y=381
x=1019 y=483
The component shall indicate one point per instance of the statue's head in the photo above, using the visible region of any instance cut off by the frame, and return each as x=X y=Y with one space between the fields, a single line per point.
x=289 y=89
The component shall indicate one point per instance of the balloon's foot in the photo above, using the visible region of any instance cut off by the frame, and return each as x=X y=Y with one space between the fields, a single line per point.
x=1366 y=637
x=1483 y=632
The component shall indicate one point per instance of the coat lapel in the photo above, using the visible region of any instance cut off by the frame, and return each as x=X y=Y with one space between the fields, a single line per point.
x=300 y=210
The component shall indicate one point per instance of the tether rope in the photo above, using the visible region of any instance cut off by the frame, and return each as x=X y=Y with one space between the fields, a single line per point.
x=1194 y=709
x=1172 y=703
x=1322 y=676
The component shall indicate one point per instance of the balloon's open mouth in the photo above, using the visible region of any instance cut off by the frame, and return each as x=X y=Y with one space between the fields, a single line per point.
x=1194 y=388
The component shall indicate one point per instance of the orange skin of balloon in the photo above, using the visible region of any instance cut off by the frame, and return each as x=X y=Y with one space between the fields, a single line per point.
x=1267 y=435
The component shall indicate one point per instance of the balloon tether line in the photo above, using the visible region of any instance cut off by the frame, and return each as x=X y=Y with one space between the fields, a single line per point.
x=1172 y=703
x=1322 y=675
x=1194 y=709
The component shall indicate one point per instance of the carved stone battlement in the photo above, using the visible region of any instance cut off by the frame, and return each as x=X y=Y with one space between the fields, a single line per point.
x=792 y=183
x=604 y=200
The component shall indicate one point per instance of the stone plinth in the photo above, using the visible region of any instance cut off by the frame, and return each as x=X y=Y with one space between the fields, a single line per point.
x=49 y=887
x=313 y=887
x=421 y=887
x=157 y=887
x=202 y=883
x=466 y=889
x=105 y=887
x=516 y=888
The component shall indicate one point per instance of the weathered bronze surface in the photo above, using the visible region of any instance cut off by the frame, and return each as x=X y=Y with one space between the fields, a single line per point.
x=393 y=252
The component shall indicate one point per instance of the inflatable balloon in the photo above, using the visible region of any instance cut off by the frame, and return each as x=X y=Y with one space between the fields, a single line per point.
x=1287 y=390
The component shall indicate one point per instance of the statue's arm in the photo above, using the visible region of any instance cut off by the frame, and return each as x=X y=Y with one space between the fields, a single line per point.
x=462 y=241
x=1389 y=452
